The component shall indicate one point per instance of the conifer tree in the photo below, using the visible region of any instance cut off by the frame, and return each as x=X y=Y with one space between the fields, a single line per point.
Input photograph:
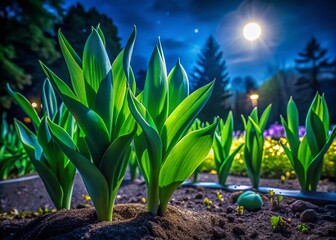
x=210 y=66
x=308 y=64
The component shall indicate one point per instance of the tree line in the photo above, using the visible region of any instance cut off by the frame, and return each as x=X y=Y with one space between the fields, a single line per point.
x=28 y=34
x=315 y=71
x=29 y=29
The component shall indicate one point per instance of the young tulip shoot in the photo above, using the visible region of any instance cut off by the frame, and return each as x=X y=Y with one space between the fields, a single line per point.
x=222 y=148
x=167 y=155
x=254 y=143
x=306 y=155
x=54 y=168
x=97 y=100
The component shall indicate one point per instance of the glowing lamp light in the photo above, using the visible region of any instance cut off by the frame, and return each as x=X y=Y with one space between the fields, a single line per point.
x=254 y=99
x=27 y=120
x=252 y=31
x=34 y=104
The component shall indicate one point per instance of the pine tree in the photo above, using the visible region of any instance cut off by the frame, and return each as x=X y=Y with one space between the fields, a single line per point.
x=311 y=60
x=309 y=64
x=210 y=66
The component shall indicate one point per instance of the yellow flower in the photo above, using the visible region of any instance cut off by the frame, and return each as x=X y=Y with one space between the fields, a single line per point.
x=86 y=197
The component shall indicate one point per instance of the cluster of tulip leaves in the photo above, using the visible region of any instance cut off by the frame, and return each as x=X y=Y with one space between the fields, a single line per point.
x=100 y=115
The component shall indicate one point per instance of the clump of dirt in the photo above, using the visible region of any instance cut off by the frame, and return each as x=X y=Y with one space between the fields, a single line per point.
x=130 y=221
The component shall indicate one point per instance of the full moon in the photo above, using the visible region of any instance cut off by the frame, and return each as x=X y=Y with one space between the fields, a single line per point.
x=252 y=31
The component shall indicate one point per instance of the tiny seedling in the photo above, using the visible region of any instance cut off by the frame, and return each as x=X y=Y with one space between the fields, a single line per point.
x=86 y=197
x=220 y=197
x=303 y=228
x=276 y=222
x=279 y=221
x=240 y=210
x=275 y=199
x=207 y=203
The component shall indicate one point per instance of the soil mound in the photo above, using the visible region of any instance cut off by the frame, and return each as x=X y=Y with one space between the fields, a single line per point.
x=130 y=221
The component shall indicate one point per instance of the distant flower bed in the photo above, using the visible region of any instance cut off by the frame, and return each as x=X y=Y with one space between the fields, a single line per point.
x=275 y=163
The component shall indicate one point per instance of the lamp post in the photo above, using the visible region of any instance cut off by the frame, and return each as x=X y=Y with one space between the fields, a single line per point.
x=254 y=99
x=34 y=104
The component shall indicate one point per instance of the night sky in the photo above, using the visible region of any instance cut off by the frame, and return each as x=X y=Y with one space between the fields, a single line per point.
x=184 y=26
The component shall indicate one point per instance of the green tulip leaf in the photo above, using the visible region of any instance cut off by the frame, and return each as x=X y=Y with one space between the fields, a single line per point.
x=183 y=160
x=182 y=117
x=26 y=106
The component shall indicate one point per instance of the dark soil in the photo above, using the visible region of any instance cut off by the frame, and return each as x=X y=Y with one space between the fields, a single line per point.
x=187 y=218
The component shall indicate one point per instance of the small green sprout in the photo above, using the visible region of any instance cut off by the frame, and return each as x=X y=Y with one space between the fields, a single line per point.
x=208 y=203
x=275 y=199
x=279 y=221
x=240 y=210
x=15 y=214
x=276 y=222
x=283 y=179
x=86 y=197
x=220 y=197
x=213 y=221
x=303 y=228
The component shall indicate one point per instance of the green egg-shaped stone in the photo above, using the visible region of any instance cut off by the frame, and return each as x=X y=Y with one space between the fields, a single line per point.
x=250 y=200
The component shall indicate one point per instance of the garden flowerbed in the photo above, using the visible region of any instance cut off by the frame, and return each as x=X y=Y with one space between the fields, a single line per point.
x=156 y=131
x=188 y=217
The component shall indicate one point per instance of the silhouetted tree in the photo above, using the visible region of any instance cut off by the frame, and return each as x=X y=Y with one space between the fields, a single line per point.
x=26 y=36
x=277 y=91
x=76 y=27
x=309 y=64
x=250 y=85
x=241 y=89
x=210 y=66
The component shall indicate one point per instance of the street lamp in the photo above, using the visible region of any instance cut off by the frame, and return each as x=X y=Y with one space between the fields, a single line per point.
x=254 y=99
